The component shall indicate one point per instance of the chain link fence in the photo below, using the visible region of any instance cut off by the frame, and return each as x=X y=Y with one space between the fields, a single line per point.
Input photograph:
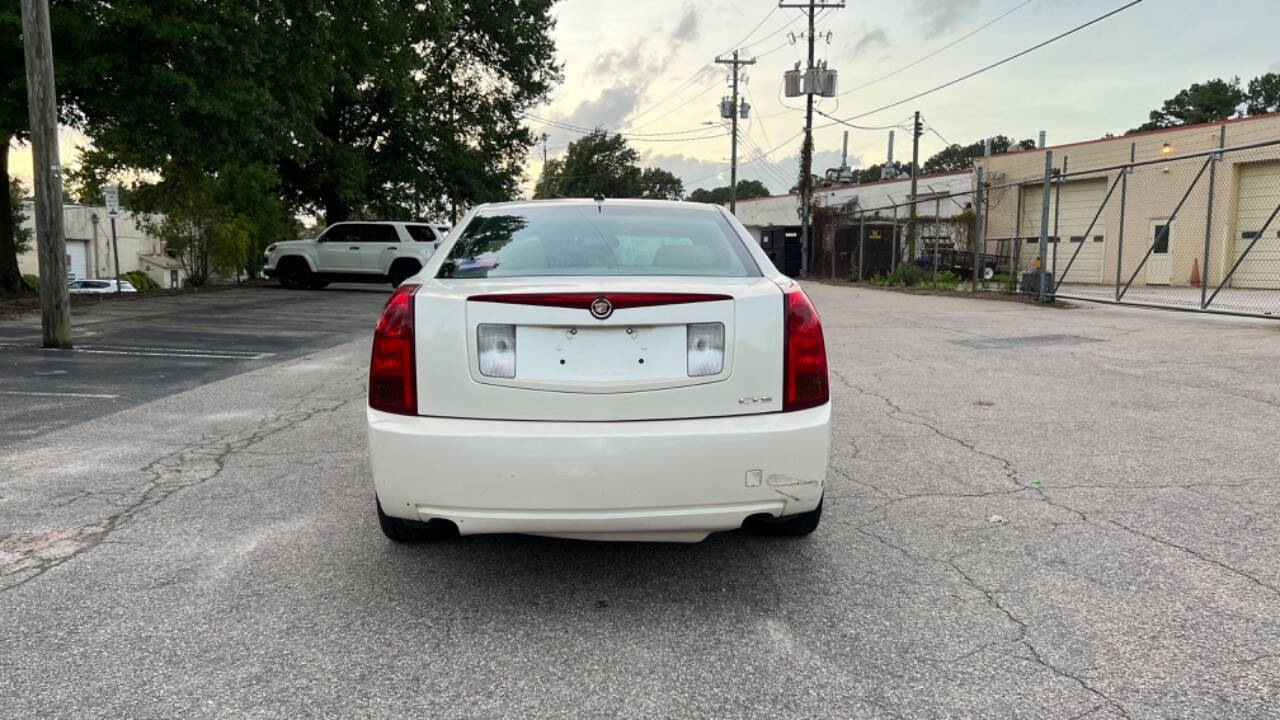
x=1198 y=231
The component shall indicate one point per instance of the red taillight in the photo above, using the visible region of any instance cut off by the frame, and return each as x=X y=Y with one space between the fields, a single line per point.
x=804 y=358
x=392 y=386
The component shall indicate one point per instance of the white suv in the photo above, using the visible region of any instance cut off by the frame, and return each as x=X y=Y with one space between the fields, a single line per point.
x=358 y=251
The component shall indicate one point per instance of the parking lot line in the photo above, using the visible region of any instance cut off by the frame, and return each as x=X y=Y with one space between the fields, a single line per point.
x=160 y=352
x=95 y=396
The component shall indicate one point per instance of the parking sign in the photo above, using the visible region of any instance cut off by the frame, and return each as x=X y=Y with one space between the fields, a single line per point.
x=112 y=196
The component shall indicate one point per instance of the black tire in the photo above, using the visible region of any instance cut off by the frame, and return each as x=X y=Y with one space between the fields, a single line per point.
x=294 y=274
x=788 y=525
x=402 y=270
x=408 y=531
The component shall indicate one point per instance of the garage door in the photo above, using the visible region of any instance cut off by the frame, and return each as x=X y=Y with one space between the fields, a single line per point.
x=1080 y=202
x=77 y=259
x=1259 y=195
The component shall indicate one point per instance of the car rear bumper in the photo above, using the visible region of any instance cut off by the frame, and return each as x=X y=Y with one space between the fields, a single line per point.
x=646 y=480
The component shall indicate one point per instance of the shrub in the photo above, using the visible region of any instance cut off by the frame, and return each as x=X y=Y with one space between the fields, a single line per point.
x=33 y=282
x=948 y=280
x=140 y=280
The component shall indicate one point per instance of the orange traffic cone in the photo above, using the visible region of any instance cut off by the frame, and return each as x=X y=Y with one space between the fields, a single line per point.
x=1195 y=273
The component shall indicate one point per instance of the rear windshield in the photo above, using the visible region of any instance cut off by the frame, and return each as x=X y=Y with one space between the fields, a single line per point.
x=598 y=240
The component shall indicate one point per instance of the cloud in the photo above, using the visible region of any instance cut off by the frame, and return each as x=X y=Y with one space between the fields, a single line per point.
x=939 y=17
x=779 y=176
x=687 y=30
x=870 y=41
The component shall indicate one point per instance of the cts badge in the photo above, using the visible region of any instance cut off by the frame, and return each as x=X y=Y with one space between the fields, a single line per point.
x=601 y=308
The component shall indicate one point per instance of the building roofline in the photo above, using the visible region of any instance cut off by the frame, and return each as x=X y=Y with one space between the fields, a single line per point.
x=846 y=186
x=1114 y=138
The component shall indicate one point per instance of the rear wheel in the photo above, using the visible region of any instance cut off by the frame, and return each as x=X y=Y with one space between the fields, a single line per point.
x=788 y=526
x=406 y=531
x=988 y=272
x=294 y=274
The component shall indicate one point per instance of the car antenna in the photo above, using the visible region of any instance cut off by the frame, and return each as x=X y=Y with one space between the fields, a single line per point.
x=599 y=198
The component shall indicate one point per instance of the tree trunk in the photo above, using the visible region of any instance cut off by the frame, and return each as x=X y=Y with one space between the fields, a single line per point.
x=10 y=277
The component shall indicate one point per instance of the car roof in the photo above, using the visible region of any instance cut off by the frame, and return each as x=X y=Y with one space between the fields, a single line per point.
x=680 y=205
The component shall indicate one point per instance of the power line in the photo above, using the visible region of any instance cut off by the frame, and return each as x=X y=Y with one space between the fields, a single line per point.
x=748 y=162
x=948 y=46
x=992 y=66
x=644 y=137
x=900 y=125
x=679 y=107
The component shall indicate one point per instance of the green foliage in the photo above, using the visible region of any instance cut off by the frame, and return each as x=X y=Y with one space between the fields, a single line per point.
x=216 y=223
x=1263 y=95
x=1213 y=100
x=946 y=280
x=22 y=236
x=32 y=282
x=955 y=158
x=140 y=280
x=747 y=189
x=601 y=164
x=911 y=275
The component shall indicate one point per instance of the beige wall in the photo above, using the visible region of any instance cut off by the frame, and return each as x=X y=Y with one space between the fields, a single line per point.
x=132 y=239
x=1151 y=192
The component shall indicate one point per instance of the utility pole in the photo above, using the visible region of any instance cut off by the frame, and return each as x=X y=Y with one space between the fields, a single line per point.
x=51 y=244
x=544 y=149
x=806 y=157
x=916 y=131
x=734 y=110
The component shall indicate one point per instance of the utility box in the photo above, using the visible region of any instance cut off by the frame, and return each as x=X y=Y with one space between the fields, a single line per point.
x=820 y=81
x=726 y=108
x=791 y=83
x=1031 y=283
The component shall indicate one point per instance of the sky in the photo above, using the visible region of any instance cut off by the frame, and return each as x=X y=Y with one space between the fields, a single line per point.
x=646 y=68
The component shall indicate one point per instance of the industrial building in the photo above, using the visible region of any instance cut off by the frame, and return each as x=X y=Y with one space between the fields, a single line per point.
x=1147 y=247
x=89 y=252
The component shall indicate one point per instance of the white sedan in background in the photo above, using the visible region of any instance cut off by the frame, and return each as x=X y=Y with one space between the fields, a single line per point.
x=608 y=369
x=98 y=287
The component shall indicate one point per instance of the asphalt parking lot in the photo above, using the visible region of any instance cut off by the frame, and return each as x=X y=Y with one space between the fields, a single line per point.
x=134 y=350
x=1031 y=513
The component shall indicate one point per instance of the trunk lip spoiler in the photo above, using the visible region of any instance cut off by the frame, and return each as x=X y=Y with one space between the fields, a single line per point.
x=583 y=300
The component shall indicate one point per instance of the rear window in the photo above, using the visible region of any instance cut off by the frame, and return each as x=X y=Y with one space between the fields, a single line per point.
x=421 y=233
x=598 y=240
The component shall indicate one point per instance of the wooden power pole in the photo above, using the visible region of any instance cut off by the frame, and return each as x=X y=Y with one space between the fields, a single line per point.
x=916 y=131
x=51 y=244
x=734 y=109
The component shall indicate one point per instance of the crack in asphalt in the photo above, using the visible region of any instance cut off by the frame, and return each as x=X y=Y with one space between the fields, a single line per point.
x=188 y=467
x=1021 y=637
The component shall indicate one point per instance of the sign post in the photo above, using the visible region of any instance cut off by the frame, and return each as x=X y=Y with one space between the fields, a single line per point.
x=112 y=196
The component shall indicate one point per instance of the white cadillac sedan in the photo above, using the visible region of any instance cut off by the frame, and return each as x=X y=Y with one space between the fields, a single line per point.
x=598 y=369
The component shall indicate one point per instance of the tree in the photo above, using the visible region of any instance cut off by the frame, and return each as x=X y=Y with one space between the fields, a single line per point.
x=1263 y=95
x=419 y=104
x=747 y=189
x=955 y=158
x=658 y=184
x=601 y=164
x=22 y=236
x=1205 y=102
